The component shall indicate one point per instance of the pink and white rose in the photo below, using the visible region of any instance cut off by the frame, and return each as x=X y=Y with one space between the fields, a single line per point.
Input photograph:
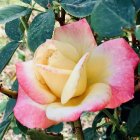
x=70 y=74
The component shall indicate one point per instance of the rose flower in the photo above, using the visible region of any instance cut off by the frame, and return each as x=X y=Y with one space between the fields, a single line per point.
x=70 y=74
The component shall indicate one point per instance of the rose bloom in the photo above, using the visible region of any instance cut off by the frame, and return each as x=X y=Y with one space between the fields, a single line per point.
x=70 y=74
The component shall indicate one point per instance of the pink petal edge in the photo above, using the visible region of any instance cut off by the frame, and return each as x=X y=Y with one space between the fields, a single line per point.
x=30 y=113
x=27 y=80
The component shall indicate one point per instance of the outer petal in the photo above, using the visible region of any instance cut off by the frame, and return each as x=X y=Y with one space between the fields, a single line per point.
x=31 y=85
x=96 y=98
x=54 y=77
x=77 y=82
x=30 y=113
x=78 y=34
x=113 y=62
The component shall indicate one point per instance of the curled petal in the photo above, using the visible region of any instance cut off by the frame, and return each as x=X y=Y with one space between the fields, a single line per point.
x=95 y=98
x=113 y=62
x=76 y=84
x=56 y=54
x=66 y=49
x=30 y=113
x=54 y=77
x=78 y=34
x=31 y=85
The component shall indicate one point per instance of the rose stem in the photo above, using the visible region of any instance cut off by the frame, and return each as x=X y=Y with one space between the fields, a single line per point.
x=8 y=92
x=78 y=130
x=115 y=122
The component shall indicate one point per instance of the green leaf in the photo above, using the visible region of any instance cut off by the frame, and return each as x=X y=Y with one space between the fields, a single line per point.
x=11 y=103
x=15 y=85
x=4 y=126
x=37 y=135
x=133 y=122
x=40 y=29
x=43 y=3
x=137 y=32
x=110 y=17
x=56 y=128
x=9 y=108
x=138 y=69
x=79 y=8
x=138 y=18
x=116 y=136
x=18 y=128
x=22 y=128
x=13 y=30
x=89 y=135
x=137 y=4
x=6 y=53
x=27 y=1
x=3 y=105
x=12 y=12
x=96 y=120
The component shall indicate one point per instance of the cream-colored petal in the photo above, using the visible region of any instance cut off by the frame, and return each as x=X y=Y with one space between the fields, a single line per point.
x=66 y=49
x=48 y=54
x=94 y=99
x=60 y=61
x=76 y=84
x=43 y=53
x=98 y=66
x=54 y=77
x=78 y=34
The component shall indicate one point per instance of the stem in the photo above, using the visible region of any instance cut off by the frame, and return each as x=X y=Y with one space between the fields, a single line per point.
x=78 y=130
x=114 y=121
x=37 y=10
x=8 y=92
x=25 y=25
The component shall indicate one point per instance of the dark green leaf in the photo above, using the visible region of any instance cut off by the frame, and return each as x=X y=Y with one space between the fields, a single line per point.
x=89 y=135
x=18 y=128
x=116 y=136
x=22 y=128
x=13 y=30
x=133 y=122
x=4 y=126
x=137 y=32
x=55 y=128
x=36 y=135
x=26 y=1
x=96 y=120
x=138 y=69
x=43 y=3
x=110 y=17
x=41 y=29
x=138 y=18
x=79 y=8
x=9 y=108
x=12 y=12
x=6 y=53
x=11 y=103
x=3 y=105
x=137 y=4
x=15 y=85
